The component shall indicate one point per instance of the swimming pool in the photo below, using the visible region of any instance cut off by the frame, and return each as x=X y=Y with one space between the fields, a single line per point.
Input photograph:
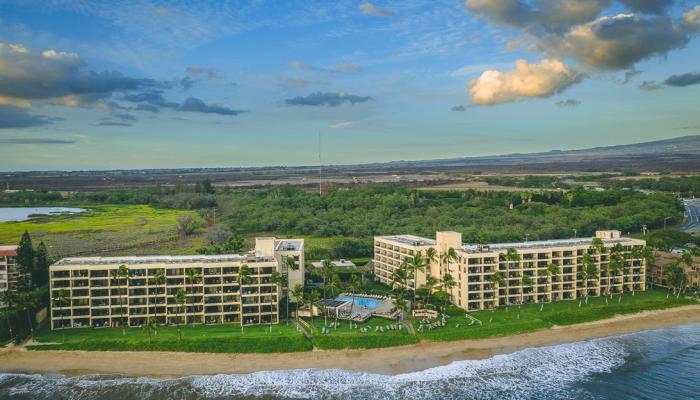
x=364 y=302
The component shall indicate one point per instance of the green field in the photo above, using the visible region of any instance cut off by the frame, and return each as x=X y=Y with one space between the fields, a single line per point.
x=343 y=337
x=198 y=338
x=105 y=230
x=501 y=322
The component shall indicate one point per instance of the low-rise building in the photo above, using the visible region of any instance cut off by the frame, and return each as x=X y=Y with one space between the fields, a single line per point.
x=662 y=259
x=341 y=264
x=87 y=291
x=525 y=276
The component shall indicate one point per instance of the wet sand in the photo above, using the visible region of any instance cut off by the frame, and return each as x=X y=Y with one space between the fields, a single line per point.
x=392 y=360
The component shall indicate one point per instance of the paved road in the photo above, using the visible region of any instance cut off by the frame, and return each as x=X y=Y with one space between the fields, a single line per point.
x=692 y=214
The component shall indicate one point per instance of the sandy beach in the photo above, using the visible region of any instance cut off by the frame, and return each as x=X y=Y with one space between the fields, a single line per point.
x=393 y=360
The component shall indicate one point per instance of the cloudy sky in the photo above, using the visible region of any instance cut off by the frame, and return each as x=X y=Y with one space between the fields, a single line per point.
x=91 y=85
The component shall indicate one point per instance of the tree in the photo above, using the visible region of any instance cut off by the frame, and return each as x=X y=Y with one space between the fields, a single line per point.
x=234 y=244
x=326 y=273
x=615 y=266
x=354 y=285
x=335 y=284
x=298 y=293
x=245 y=277
x=193 y=276
x=180 y=298
x=62 y=300
x=588 y=272
x=291 y=265
x=675 y=276
x=217 y=235
x=415 y=265
x=119 y=274
x=551 y=271
x=9 y=299
x=430 y=284
x=29 y=303
x=449 y=255
x=431 y=256
x=449 y=283
x=41 y=265
x=399 y=276
x=311 y=299
x=511 y=256
x=497 y=280
x=278 y=280
x=157 y=280
x=187 y=224
x=24 y=263
x=151 y=327
x=527 y=282
x=401 y=305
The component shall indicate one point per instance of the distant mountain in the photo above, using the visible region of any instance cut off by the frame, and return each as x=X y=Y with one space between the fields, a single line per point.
x=680 y=154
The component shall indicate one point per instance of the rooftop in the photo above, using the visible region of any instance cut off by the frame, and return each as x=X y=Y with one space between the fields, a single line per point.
x=410 y=240
x=132 y=260
x=289 y=244
x=541 y=244
x=8 y=251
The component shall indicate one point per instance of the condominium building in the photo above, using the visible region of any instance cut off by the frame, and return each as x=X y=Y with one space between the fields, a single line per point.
x=88 y=291
x=662 y=259
x=8 y=272
x=525 y=277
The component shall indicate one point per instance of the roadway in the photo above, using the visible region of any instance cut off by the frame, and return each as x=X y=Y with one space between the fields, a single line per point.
x=692 y=216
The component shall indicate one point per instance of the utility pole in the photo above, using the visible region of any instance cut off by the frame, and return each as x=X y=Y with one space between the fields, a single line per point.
x=574 y=233
x=320 y=167
x=644 y=230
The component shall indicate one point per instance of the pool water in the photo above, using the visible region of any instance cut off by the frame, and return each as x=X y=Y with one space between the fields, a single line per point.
x=361 y=301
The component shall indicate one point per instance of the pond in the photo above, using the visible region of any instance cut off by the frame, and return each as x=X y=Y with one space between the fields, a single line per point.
x=8 y=214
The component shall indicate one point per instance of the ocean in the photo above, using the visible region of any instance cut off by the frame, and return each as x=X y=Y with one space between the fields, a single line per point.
x=658 y=365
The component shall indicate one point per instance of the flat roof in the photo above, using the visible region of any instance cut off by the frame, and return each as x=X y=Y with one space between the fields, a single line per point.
x=543 y=244
x=289 y=244
x=8 y=250
x=131 y=260
x=410 y=240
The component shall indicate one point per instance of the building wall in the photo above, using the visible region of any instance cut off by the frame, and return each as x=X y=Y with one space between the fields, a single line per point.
x=99 y=299
x=476 y=266
x=8 y=271
x=662 y=259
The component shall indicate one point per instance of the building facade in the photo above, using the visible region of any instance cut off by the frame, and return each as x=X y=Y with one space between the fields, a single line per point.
x=662 y=259
x=8 y=272
x=525 y=272
x=88 y=292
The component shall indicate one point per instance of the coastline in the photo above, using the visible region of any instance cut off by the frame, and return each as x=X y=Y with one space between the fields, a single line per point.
x=390 y=360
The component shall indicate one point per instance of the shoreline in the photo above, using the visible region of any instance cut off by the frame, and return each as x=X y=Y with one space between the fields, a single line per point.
x=388 y=360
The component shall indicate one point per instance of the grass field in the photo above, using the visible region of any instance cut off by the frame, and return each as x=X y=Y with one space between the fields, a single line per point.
x=343 y=337
x=198 y=338
x=105 y=230
x=502 y=322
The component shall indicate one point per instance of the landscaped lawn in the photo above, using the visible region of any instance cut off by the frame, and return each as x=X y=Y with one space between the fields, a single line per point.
x=197 y=338
x=501 y=322
x=344 y=337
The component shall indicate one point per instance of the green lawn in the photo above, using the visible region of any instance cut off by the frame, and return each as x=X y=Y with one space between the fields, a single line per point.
x=198 y=338
x=105 y=230
x=344 y=337
x=501 y=322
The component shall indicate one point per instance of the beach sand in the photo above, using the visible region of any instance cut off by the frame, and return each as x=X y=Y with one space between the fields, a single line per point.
x=392 y=360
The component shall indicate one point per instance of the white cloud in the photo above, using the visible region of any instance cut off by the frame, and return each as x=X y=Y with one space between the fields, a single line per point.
x=549 y=77
x=369 y=9
x=341 y=125
x=691 y=19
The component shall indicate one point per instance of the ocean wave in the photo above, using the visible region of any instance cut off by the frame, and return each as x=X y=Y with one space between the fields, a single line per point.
x=531 y=373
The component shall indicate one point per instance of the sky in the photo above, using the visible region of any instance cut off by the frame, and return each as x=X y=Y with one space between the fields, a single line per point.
x=160 y=84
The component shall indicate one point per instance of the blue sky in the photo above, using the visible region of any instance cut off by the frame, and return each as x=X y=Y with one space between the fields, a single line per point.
x=91 y=85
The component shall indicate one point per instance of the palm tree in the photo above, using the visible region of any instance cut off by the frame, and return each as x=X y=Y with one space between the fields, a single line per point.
x=181 y=300
x=334 y=284
x=511 y=256
x=449 y=283
x=586 y=261
x=497 y=280
x=158 y=280
x=278 y=280
x=449 y=255
x=598 y=245
x=354 y=285
x=551 y=271
x=312 y=298
x=401 y=305
x=62 y=300
x=399 y=276
x=291 y=265
x=430 y=284
x=326 y=273
x=526 y=281
x=244 y=278
x=151 y=326
x=416 y=265
x=298 y=293
x=122 y=272
x=431 y=256
x=193 y=277
x=613 y=267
